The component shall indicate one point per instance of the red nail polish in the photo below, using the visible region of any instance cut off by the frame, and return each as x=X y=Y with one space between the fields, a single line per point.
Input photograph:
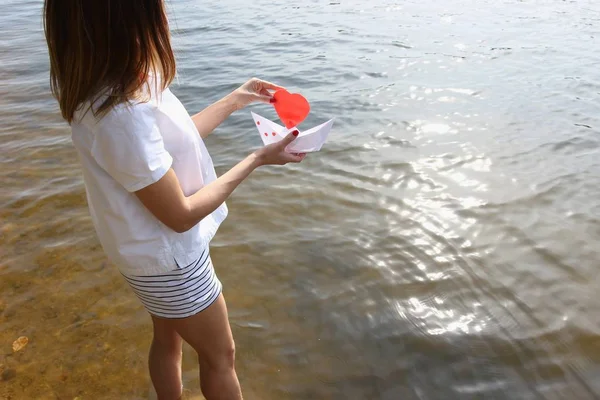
x=295 y=133
x=272 y=100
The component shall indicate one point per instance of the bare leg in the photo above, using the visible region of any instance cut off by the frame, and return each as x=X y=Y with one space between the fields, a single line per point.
x=209 y=333
x=165 y=360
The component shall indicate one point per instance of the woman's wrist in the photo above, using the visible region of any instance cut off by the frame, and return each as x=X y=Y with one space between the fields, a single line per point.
x=232 y=102
x=257 y=158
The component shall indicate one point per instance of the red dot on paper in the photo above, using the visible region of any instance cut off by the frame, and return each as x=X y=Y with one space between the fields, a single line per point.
x=266 y=134
x=257 y=122
x=274 y=134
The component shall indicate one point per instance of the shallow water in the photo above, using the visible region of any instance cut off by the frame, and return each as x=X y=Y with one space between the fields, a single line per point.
x=443 y=245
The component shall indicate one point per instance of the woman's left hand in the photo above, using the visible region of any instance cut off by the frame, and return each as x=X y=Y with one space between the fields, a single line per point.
x=253 y=91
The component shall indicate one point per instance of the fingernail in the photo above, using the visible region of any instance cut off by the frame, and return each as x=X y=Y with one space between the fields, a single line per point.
x=295 y=133
x=272 y=100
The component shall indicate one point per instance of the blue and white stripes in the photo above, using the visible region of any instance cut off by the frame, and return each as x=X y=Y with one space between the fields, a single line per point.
x=180 y=293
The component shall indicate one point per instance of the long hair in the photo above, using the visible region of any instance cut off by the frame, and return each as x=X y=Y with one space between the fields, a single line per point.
x=106 y=48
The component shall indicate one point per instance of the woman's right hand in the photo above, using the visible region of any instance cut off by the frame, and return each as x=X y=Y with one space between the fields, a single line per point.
x=275 y=153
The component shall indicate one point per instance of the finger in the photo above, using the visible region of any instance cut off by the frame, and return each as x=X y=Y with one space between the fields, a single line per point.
x=289 y=157
x=263 y=99
x=269 y=95
x=289 y=138
x=265 y=92
x=270 y=85
x=266 y=95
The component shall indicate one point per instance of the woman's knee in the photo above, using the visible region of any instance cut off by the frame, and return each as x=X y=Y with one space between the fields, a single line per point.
x=222 y=358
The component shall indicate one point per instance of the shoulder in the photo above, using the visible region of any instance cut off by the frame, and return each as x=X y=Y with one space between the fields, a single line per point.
x=127 y=114
x=131 y=112
x=131 y=117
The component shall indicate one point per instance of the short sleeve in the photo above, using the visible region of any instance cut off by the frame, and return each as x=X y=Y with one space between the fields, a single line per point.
x=129 y=146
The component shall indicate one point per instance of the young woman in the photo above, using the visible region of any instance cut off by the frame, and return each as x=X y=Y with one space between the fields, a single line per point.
x=151 y=187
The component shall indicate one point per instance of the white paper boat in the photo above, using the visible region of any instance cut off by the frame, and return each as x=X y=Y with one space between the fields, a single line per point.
x=307 y=142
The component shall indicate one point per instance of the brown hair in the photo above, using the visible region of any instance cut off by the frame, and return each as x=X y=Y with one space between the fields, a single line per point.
x=105 y=47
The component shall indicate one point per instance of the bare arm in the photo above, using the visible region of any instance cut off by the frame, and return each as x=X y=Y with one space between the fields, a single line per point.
x=166 y=201
x=255 y=90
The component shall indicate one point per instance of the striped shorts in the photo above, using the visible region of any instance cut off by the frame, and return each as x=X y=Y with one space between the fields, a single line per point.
x=180 y=293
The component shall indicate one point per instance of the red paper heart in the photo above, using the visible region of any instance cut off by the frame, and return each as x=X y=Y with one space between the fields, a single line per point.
x=291 y=108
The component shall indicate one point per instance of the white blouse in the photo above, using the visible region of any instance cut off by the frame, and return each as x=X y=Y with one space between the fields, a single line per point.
x=132 y=147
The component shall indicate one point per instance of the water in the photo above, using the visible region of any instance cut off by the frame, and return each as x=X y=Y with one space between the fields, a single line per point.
x=443 y=245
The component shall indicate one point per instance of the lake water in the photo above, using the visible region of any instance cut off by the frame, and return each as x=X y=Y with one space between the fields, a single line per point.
x=443 y=245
